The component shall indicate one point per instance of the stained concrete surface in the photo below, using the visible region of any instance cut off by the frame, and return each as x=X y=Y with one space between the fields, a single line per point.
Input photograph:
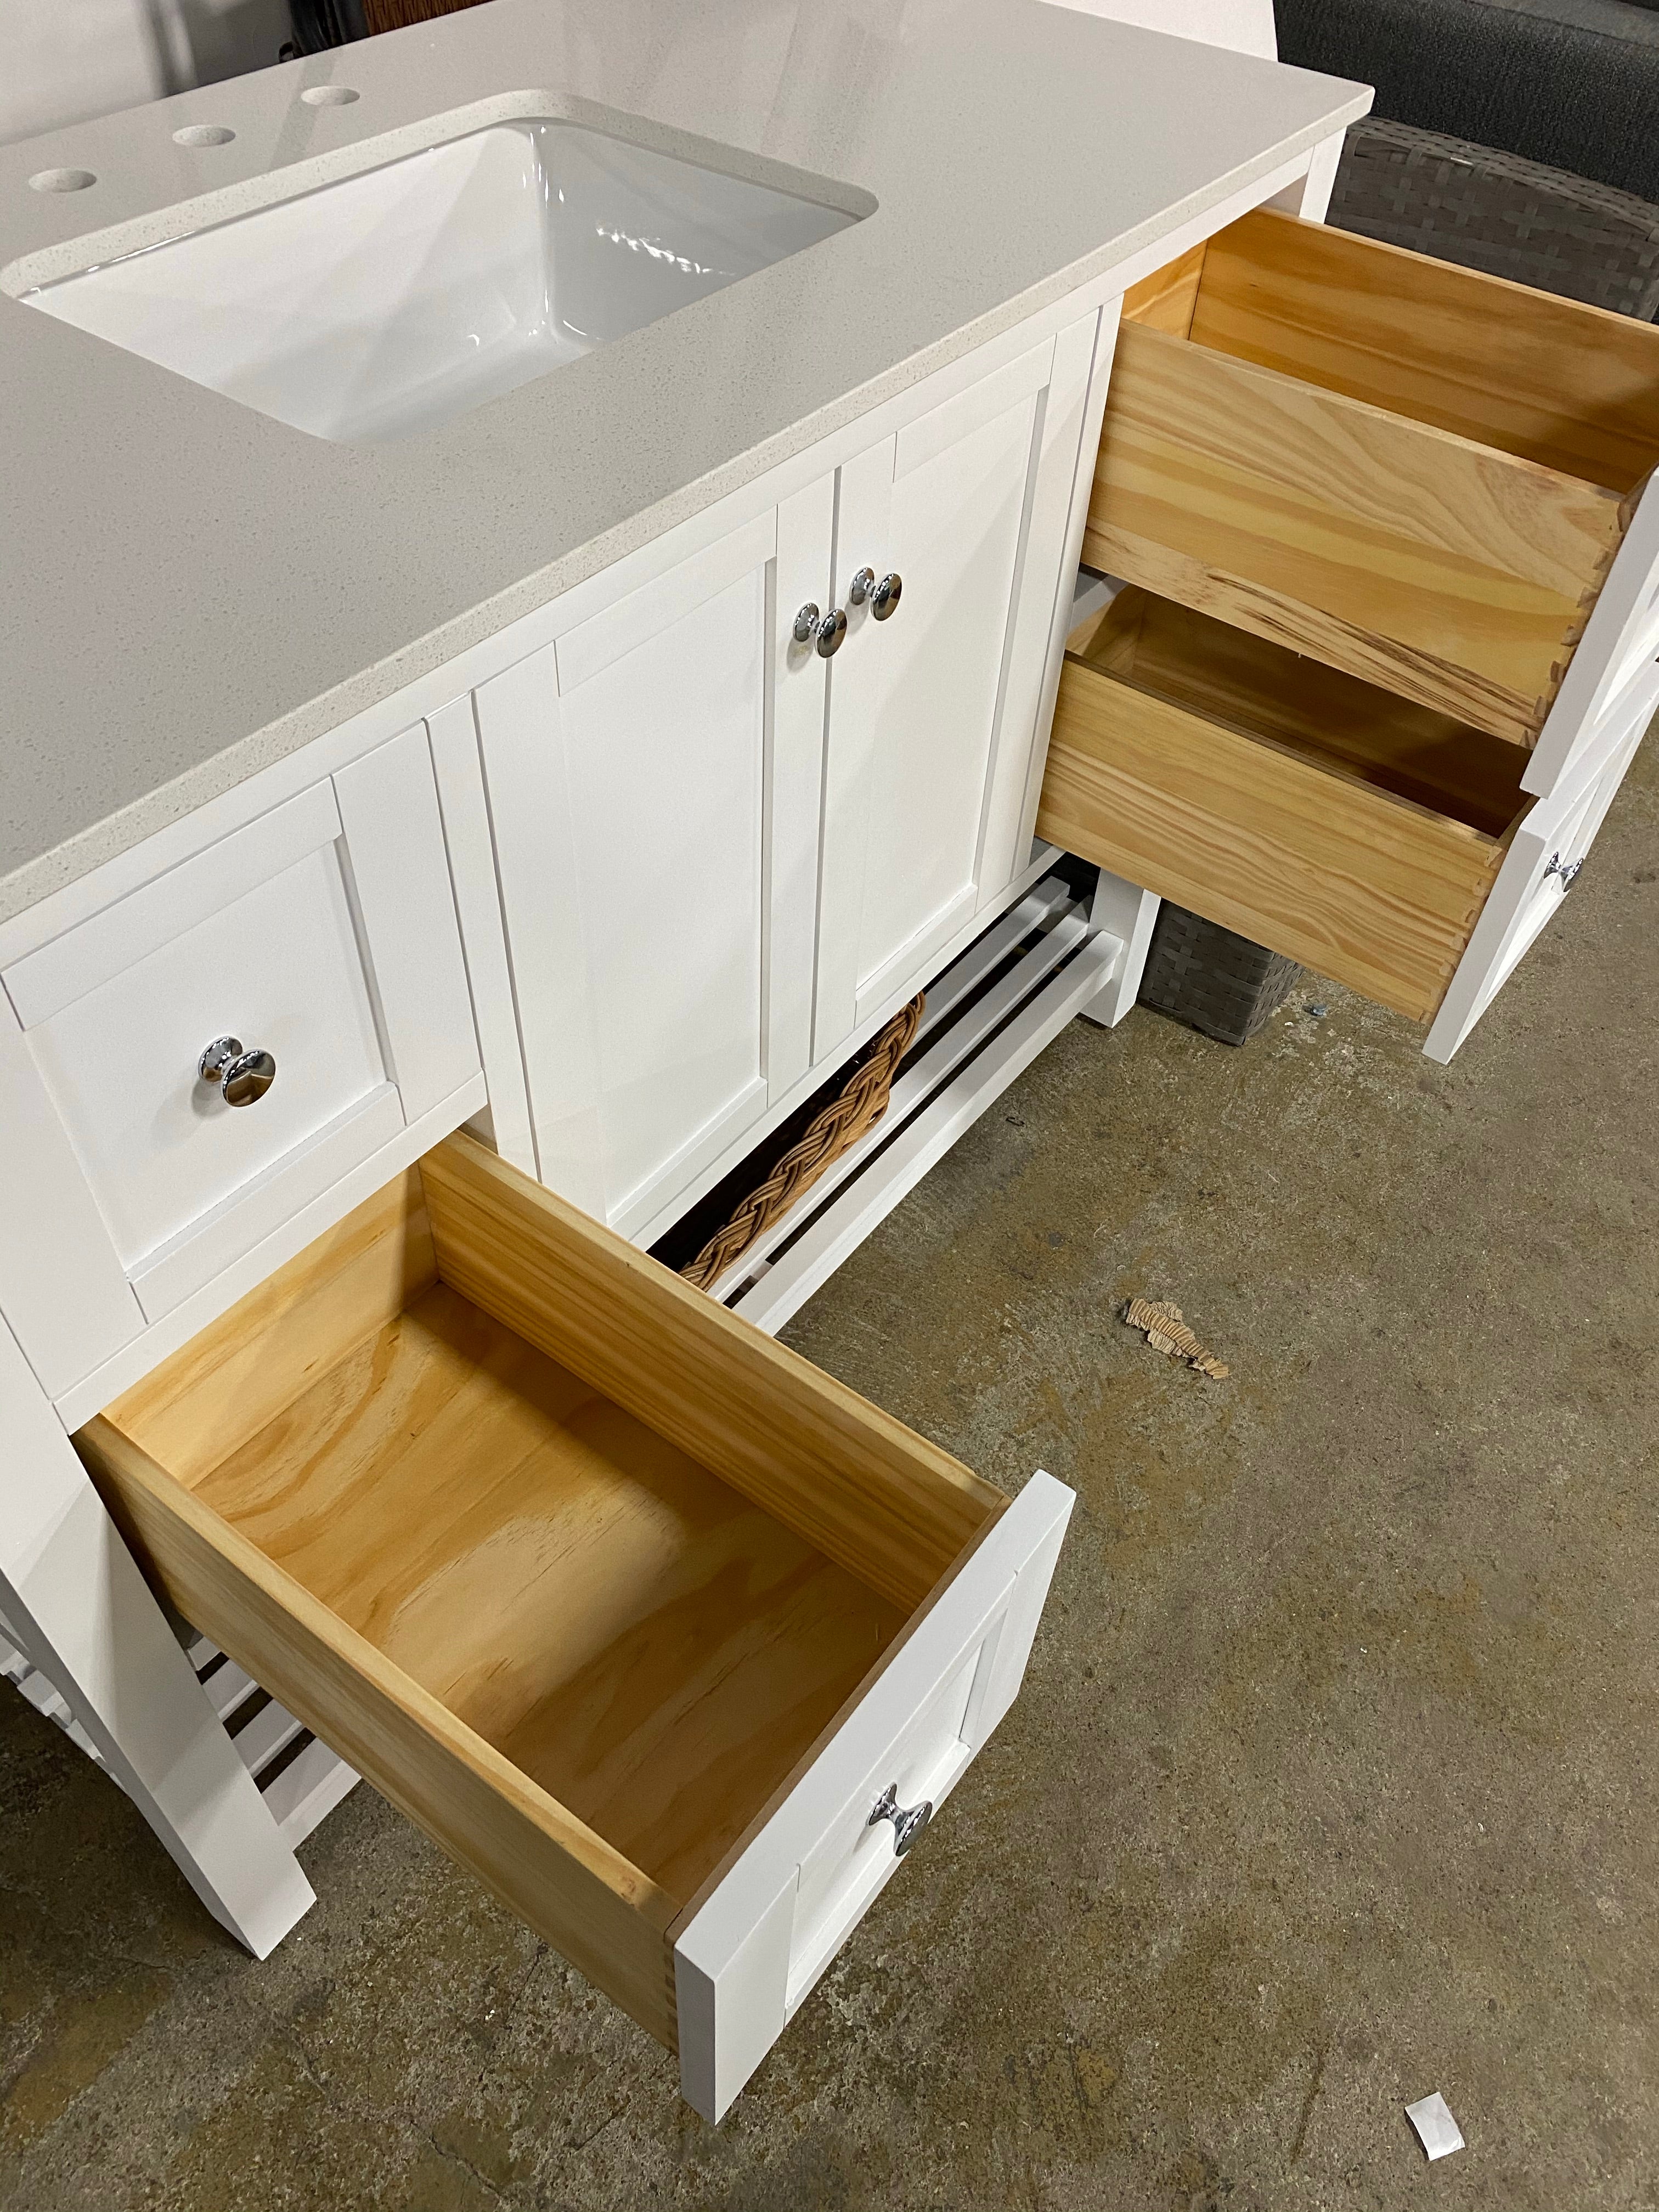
x=1333 y=1780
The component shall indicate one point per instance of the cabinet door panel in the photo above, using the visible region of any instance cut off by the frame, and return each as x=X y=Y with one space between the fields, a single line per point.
x=954 y=534
x=653 y=784
x=917 y=703
x=666 y=745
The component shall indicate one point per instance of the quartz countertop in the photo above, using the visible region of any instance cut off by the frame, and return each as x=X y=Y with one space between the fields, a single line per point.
x=192 y=590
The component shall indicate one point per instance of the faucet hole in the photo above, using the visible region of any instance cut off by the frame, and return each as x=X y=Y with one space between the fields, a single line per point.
x=62 y=180
x=203 y=134
x=329 y=95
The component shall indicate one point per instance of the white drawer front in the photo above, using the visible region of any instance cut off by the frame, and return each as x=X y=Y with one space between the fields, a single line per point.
x=750 y=1952
x=279 y=968
x=323 y=933
x=1543 y=861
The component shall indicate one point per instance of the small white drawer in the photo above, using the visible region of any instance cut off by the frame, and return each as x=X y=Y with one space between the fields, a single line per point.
x=322 y=934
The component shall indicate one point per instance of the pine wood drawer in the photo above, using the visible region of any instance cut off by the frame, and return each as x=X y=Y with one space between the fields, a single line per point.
x=629 y=1607
x=1415 y=473
x=1320 y=816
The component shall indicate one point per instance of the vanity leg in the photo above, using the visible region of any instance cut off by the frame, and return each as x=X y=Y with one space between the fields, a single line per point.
x=1310 y=197
x=70 y=1592
x=1122 y=910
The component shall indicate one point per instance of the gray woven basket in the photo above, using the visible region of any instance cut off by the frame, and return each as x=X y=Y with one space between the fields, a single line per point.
x=1496 y=212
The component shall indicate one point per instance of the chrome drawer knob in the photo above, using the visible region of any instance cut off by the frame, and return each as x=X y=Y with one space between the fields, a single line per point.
x=886 y=596
x=806 y=623
x=860 y=587
x=242 y=1077
x=908 y=1825
x=1568 y=871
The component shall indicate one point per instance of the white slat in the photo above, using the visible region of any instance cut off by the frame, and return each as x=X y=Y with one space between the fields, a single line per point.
x=272 y=1729
x=843 y=1225
x=305 y=1793
x=926 y=1074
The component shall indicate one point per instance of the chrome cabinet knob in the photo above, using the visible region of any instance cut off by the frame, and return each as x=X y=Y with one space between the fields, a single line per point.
x=1568 y=871
x=908 y=1823
x=829 y=630
x=860 y=587
x=242 y=1077
x=886 y=595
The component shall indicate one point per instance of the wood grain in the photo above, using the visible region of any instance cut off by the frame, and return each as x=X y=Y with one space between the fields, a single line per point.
x=574 y=1654
x=1299 y=851
x=1165 y=299
x=196 y=1408
x=639 y=1639
x=881 y=1502
x=1572 y=387
x=1230 y=675
x=599 y=1910
x=1456 y=575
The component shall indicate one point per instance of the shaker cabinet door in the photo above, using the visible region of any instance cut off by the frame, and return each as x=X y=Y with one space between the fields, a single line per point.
x=654 y=779
x=934 y=694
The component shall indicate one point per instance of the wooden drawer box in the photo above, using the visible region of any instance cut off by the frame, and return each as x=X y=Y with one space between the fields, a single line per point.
x=631 y=1609
x=1318 y=814
x=1417 y=474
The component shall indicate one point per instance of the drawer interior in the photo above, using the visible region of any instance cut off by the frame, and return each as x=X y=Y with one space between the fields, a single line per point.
x=1318 y=815
x=1414 y=473
x=472 y=1465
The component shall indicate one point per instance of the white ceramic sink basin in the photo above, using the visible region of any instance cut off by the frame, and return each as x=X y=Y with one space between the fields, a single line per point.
x=396 y=300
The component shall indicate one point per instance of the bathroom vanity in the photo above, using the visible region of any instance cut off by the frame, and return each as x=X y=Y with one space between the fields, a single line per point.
x=541 y=552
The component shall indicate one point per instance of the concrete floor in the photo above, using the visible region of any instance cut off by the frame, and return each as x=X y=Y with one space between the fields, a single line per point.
x=1333 y=1781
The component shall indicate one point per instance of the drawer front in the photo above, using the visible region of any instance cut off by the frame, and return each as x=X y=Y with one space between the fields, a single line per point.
x=1375 y=890
x=749 y=1951
x=1543 y=862
x=1616 y=664
x=323 y=934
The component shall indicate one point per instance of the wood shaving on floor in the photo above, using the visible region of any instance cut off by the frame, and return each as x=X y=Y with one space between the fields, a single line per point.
x=1160 y=1322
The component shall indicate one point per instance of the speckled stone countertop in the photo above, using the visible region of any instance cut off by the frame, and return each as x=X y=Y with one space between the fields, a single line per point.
x=192 y=590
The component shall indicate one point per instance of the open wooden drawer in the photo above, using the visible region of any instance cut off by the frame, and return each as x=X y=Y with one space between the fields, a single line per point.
x=1318 y=814
x=636 y=1613
x=1417 y=474
x=1383 y=844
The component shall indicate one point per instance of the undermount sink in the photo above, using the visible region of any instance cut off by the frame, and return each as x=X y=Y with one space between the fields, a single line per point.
x=393 y=301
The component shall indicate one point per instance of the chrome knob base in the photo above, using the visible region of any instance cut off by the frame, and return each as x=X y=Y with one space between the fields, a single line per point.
x=243 y=1077
x=860 y=587
x=908 y=1822
x=886 y=595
